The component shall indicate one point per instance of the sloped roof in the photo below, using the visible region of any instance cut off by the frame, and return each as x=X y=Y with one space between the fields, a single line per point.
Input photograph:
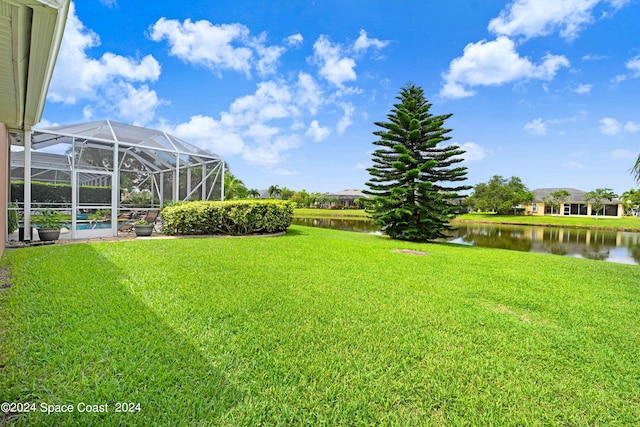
x=155 y=150
x=575 y=195
x=109 y=131
x=348 y=194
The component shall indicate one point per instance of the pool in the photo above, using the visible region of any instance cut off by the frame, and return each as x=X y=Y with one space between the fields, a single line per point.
x=89 y=226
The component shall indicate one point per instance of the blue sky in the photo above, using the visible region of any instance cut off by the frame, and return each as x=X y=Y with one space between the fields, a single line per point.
x=288 y=91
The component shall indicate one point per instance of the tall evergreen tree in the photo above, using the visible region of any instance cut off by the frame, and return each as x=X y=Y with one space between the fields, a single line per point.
x=413 y=179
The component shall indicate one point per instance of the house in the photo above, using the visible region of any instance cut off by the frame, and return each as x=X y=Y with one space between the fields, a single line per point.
x=576 y=204
x=344 y=199
x=30 y=36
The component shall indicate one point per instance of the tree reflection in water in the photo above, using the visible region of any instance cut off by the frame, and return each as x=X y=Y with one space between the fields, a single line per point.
x=613 y=246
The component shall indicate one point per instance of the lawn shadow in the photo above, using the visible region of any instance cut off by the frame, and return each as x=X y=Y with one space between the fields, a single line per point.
x=295 y=232
x=77 y=342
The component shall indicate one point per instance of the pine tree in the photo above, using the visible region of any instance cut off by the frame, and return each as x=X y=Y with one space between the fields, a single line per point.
x=412 y=178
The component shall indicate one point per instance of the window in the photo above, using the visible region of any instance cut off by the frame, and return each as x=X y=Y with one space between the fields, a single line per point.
x=534 y=207
x=611 y=210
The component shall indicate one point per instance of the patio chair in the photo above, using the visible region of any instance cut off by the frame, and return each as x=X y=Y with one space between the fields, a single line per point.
x=126 y=228
x=150 y=217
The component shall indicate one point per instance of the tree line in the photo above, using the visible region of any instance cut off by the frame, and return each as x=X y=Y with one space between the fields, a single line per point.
x=507 y=195
x=235 y=188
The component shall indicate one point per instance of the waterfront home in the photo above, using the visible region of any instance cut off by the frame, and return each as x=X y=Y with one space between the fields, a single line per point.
x=575 y=205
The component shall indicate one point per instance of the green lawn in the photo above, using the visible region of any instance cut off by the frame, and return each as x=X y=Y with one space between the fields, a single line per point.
x=627 y=223
x=319 y=327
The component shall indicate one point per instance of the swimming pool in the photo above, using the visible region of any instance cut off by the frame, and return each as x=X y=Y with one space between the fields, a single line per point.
x=89 y=226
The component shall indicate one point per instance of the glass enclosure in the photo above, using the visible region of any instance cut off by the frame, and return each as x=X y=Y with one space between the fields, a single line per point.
x=96 y=174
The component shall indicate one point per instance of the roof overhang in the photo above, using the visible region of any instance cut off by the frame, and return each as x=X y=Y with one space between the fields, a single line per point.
x=30 y=36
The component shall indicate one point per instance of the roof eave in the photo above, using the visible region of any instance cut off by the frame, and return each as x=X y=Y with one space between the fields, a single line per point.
x=36 y=28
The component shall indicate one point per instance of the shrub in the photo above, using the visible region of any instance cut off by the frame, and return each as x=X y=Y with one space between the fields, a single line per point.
x=45 y=192
x=48 y=219
x=138 y=198
x=234 y=217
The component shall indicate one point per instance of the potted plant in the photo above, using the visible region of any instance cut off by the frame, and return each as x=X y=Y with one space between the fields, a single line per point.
x=143 y=228
x=49 y=223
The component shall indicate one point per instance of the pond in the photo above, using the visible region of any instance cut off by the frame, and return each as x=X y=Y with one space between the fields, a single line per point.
x=613 y=246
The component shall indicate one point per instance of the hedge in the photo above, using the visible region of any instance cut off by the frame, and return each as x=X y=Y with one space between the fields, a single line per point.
x=44 y=192
x=233 y=217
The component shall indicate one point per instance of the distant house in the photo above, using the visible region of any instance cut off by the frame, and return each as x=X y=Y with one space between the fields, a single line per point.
x=344 y=199
x=576 y=205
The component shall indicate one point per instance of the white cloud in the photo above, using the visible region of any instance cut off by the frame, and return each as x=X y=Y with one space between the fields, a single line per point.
x=308 y=93
x=44 y=123
x=220 y=47
x=261 y=133
x=271 y=153
x=87 y=112
x=203 y=43
x=317 y=132
x=593 y=57
x=579 y=117
x=77 y=76
x=209 y=134
x=136 y=104
x=294 y=40
x=632 y=127
x=536 y=127
x=345 y=121
x=261 y=127
x=582 y=89
x=269 y=57
x=495 y=63
x=634 y=66
x=474 y=152
x=610 y=126
x=361 y=166
x=623 y=154
x=334 y=66
x=109 y=3
x=363 y=42
x=272 y=100
x=533 y=18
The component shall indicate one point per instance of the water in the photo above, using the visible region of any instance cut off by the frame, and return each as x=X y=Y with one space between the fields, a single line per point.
x=360 y=225
x=612 y=246
x=89 y=226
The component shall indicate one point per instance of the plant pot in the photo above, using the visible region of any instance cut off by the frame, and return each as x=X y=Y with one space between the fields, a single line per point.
x=47 y=234
x=21 y=234
x=143 y=230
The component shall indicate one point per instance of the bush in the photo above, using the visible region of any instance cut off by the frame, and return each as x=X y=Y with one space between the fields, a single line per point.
x=44 y=192
x=138 y=199
x=234 y=217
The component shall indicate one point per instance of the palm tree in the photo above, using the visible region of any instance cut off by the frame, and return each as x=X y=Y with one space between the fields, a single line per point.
x=233 y=187
x=630 y=199
x=274 y=191
x=253 y=193
x=635 y=170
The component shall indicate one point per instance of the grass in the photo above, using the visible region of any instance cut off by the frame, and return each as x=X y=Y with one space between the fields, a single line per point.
x=319 y=327
x=627 y=223
x=330 y=213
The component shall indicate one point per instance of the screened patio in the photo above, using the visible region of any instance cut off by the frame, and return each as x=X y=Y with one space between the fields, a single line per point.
x=92 y=171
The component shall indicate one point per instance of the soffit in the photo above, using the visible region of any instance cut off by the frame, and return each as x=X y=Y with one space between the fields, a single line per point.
x=30 y=36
